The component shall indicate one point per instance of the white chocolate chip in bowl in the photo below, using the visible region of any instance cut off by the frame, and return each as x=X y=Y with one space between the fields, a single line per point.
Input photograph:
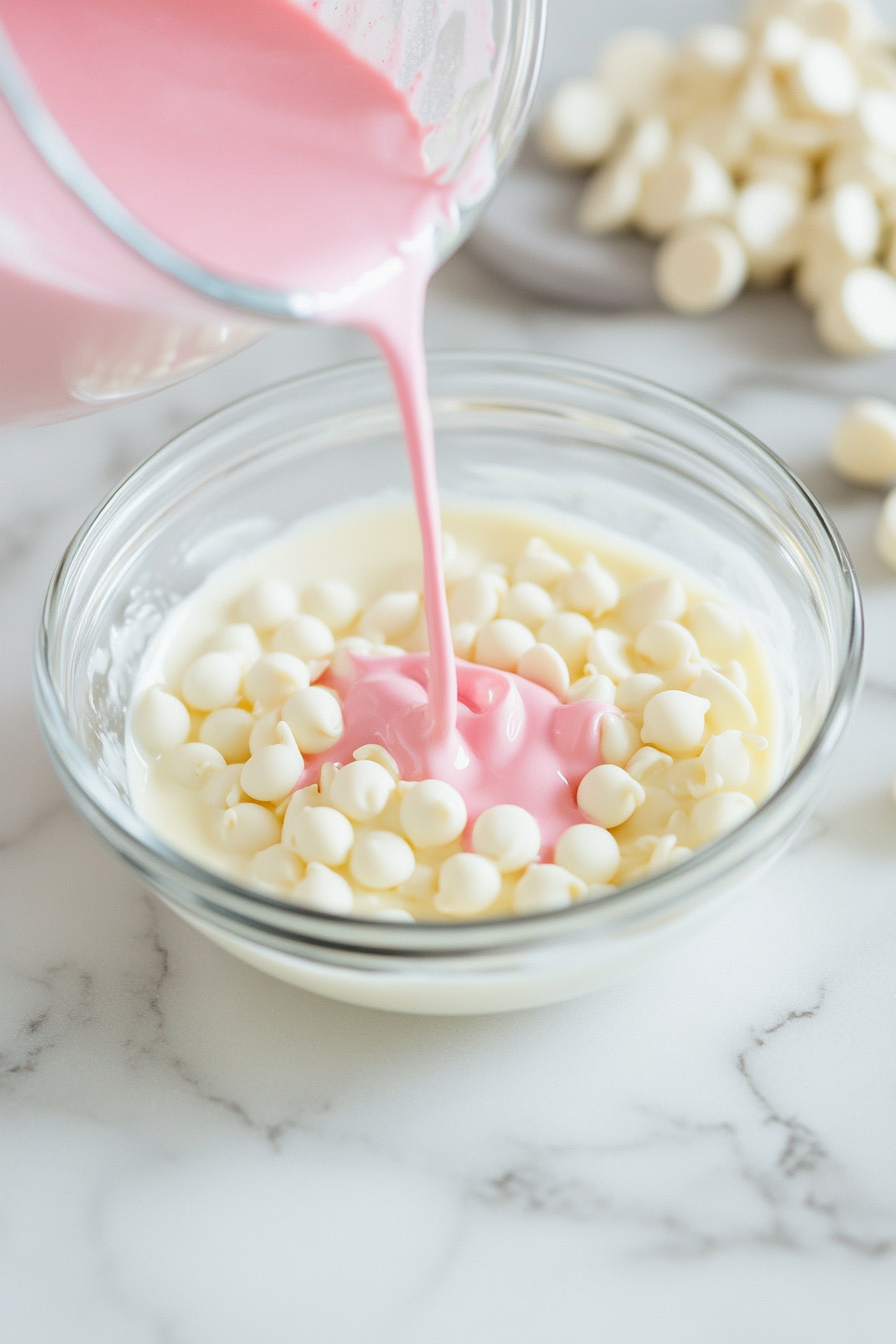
x=229 y=731
x=609 y=796
x=508 y=836
x=273 y=679
x=468 y=885
x=266 y=604
x=160 y=721
x=502 y=643
x=213 y=681
x=544 y=887
x=544 y=665
x=432 y=813
x=314 y=715
x=331 y=601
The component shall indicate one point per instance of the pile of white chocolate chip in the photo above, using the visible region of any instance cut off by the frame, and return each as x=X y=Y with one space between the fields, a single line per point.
x=682 y=760
x=755 y=153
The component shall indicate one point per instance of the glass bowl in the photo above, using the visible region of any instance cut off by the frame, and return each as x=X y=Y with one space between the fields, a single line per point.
x=517 y=428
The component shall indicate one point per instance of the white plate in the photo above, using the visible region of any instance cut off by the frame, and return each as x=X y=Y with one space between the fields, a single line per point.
x=528 y=235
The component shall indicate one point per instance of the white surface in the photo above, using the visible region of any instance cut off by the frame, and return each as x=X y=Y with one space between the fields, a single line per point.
x=192 y=1153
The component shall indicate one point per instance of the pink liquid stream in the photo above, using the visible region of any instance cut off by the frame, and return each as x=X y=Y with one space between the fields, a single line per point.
x=257 y=144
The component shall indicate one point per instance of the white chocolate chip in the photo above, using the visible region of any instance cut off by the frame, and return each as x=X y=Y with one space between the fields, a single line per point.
x=468 y=884
x=315 y=717
x=767 y=216
x=885 y=534
x=728 y=707
x=372 y=751
x=191 y=763
x=540 y=564
x=649 y=142
x=590 y=589
x=161 y=721
x=331 y=601
x=240 y=639
x=609 y=796
x=463 y=639
x=212 y=681
x=361 y=790
x=580 y=124
x=273 y=679
x=651 y=600
x=264 y=734
x=305 y=637
x=421 y=885
x=544 y=887
x=700 y=268
x=266 y=604
x=502 y=643
x=718 y=814
x=474 y=600
x=381 y=860
x=717 y=629
x=391 y=615
x=848 y=221
x=610 y=198
x=633 y=692
x=528 y=603
x=863 y=447
x=271 y=773
x=689 y=185
x=646 y=761
x=605 y=652
x=782 y=42
x=323 y=890
x=619 y=738
x=247 y=828
x=432 y=813
x=569 y=633
x=876 y=118
x=825 y=80
x=592 y=686
x=507 y=835
x=718 y=47
x=665 y=643
x=674 y=721
x=229 y=731
x=544 y=665
x=725 y=761
x=859 y=314
x=318 y=834
x=590 y=852
x=275 y=868
x=633 y=65
x=221 y=788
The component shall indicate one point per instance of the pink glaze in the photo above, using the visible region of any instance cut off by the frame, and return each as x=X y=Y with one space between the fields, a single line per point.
x=514 y=742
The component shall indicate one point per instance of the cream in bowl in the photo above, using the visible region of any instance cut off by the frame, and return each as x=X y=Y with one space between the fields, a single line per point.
x=539 y=459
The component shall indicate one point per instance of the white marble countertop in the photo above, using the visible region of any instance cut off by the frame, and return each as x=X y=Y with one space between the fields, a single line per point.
x=191 y=1153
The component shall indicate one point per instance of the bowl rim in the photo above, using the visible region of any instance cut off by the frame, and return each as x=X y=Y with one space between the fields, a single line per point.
x=659 y=896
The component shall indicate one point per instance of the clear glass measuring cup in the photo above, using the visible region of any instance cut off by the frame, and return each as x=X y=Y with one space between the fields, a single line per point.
x=95 y=309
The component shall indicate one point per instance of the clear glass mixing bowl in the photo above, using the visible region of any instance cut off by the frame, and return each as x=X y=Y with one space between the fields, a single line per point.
x=553 y=433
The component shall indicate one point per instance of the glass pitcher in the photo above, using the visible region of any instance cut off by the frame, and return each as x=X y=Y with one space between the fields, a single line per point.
x=96 y=309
